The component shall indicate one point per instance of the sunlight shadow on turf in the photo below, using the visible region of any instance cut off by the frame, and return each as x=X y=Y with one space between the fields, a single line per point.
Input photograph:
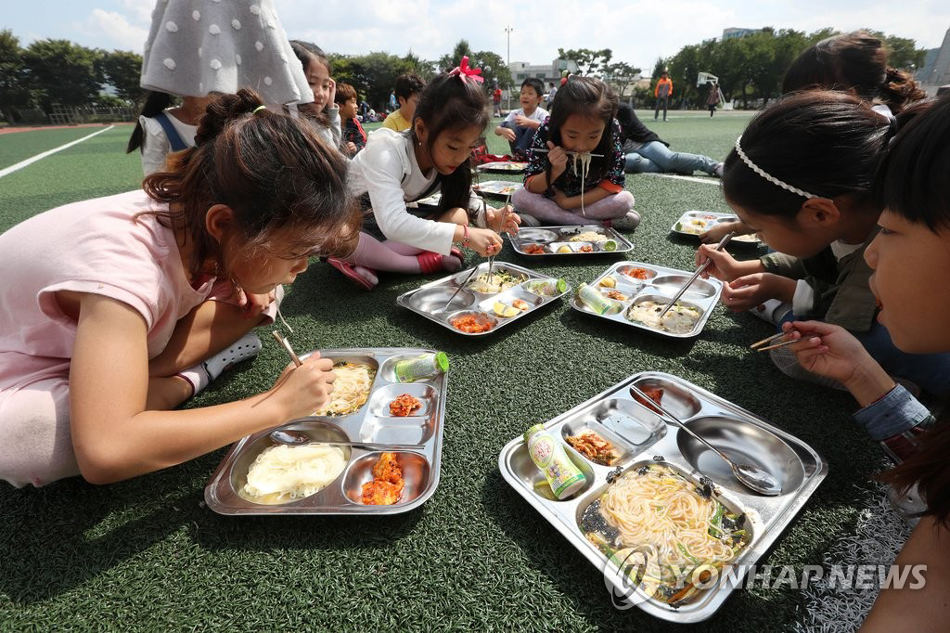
x=48 y=549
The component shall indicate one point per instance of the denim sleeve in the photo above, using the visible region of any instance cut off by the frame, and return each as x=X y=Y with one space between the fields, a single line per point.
x=895 y=413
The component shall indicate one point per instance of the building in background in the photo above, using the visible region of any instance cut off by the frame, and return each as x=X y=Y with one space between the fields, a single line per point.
x=735 y=32
x=549 y=73
x=936 y=69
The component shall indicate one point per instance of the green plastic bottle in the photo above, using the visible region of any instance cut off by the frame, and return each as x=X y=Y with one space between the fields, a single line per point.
x=548 y=455
x=421 y=367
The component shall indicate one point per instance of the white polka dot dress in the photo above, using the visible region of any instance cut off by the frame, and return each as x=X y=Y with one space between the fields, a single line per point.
x=199 y=46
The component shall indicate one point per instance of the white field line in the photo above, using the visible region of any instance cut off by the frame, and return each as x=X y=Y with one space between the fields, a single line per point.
x=42 y=155
x=705 y=181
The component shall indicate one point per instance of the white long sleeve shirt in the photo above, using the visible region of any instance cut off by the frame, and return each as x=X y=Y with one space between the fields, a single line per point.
x=387 y=169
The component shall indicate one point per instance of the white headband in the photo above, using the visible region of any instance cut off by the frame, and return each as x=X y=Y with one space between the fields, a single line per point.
x=772 y=179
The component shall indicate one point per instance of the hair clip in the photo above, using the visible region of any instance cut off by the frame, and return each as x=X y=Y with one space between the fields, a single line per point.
x=258 y=109
x=465 y=73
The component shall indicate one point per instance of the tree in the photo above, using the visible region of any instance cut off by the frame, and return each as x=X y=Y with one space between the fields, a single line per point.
x=589 y=62
x=13 y=91
x=492 y=65
x=620 y=76
x=419 y=66
x=373 y=75
x=903 y=53
x=62 y=72
x=451 y=60
x=122 y=70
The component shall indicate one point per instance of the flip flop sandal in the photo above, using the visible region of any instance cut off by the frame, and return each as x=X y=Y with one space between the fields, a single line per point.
x=350 y=273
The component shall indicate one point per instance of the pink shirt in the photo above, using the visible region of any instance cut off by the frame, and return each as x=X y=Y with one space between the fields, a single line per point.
x=94 y=246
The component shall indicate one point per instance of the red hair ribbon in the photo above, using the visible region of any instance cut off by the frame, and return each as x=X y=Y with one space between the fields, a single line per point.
x=466 y=73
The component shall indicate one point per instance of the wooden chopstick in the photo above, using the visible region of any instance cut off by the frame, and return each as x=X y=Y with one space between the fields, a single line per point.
x=286 y=345
x=778 y=345
x=768 y=339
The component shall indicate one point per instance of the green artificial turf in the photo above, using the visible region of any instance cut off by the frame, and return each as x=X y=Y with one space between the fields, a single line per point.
x=148 y=554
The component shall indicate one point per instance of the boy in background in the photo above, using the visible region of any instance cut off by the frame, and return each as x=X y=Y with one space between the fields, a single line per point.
x=354 y=137
x=520 y=125
x=408 y=89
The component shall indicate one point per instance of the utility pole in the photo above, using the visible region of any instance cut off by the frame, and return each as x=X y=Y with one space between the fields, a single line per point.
x=508 y=30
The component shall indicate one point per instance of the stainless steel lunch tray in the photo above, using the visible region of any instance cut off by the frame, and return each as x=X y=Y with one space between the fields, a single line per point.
x=428 y=299
x=553 y=237
x=430 y=201
x=499 y=189
x=643 y=437
x=708 y=218
x=369 y=423
x=703 y=294
x=503 y=167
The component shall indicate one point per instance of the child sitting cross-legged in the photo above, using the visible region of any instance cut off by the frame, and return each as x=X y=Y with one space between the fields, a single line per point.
x=520 y=126
x=576 y=171
x=396 y=168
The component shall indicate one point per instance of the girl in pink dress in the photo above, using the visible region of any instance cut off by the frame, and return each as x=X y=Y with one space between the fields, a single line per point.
x=105 y=319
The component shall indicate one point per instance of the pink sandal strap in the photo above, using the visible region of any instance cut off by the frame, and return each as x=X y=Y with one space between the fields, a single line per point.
x=350 y=273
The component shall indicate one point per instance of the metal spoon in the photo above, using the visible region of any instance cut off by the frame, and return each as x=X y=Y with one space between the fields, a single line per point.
x=750 y=476
x=296 y=438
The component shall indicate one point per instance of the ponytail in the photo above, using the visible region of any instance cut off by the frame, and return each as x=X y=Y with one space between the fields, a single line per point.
x=853 y=62
x=155 y=103
x=899 y=90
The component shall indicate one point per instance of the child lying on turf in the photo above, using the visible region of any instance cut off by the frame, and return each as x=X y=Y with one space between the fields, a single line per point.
x=106 y=317
x=811 y=202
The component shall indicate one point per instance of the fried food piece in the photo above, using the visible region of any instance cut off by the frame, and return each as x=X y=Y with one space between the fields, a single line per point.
x=594 y=447
x=534 y=249
x=616 y=294
x=388 y=469
x=471 y=324
x=387 y=484
x=404 y=405
x=381 y=493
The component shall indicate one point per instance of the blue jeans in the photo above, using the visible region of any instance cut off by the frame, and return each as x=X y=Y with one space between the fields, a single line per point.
x=657 y=158
x=930 y=372
x=663 y=102
x=524 y=137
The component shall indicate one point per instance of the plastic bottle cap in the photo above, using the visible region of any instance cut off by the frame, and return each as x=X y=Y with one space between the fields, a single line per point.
x=442 y=361
x=532 y=430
